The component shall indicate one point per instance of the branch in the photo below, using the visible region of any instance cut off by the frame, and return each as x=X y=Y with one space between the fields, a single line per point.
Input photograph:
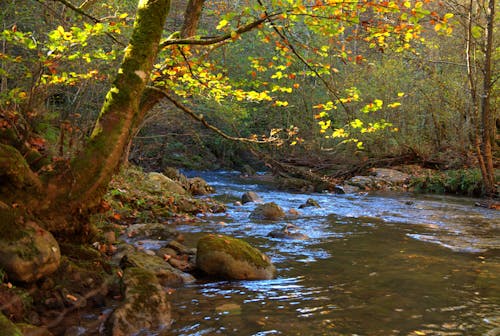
x=295 y=52
x=201 y=119
x=214 y=40
x=88 y=16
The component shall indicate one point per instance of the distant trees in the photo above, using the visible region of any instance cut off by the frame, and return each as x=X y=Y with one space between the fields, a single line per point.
x=294 y=47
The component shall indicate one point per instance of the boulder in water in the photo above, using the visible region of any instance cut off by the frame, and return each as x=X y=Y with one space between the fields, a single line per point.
x=198 y=186
x=310 y=203
x=289 y=231
x=268 y=211
x=250 y=196
x=145 y=306
x=232 y=258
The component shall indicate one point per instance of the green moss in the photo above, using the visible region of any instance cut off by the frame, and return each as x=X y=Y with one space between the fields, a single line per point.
x=461 y=182
x=236 y=248
x=10 y=230
x=8 y=328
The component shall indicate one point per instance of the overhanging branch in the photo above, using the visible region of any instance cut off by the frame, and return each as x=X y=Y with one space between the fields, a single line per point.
x=201 y=119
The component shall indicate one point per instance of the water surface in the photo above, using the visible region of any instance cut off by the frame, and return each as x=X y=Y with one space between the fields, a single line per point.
x=374 y=265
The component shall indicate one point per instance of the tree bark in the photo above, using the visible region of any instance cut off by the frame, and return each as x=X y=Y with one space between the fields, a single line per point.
x=90 y=172
x=192 y=18
x=487 y=129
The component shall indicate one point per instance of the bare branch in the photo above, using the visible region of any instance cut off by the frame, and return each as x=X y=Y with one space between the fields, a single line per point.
x=201 y=119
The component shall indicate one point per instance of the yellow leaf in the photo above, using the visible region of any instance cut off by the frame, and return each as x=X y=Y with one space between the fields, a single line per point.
x=438 y=27
x=222 y=24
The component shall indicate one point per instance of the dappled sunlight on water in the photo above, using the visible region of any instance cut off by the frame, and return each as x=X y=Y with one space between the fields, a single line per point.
x=374 y=265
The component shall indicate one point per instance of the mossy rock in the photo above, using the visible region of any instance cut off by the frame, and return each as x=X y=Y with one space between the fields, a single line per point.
x=310 y=203
x=158 y=183
x=28 y=252
x=198 y=187
x=232 y=258
x=31 y=330
x=7 y=328
x=268 y=211
x=145 y=306
x=164 y=272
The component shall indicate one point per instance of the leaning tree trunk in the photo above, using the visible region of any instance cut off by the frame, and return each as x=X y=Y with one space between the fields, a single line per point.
x=91 y=171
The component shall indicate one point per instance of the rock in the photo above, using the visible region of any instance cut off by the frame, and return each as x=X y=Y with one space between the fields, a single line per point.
x=362 y=182
x=381 y=178
x=28 y=251
x=268 y=211
x=294 y=183
x=340 y=190
x=31 y=330
x=152 y=230
x=232 y=258
x=176 y=175
x=391 y=176
x=166 y=274
x=198 y=186
x=110 y=237
x=8 y=328
x=250 y=196
x=310 y=203
x=350 y=189
x=145 y=306
x=75 y=331
x=289 y=231
x=158 y=183
x=247 y=170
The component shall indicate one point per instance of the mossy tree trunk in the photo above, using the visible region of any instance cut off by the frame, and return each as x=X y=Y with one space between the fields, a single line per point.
x=62 y=197
x=90 y=172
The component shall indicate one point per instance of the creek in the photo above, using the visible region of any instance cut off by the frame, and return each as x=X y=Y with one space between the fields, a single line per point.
x=374 y=264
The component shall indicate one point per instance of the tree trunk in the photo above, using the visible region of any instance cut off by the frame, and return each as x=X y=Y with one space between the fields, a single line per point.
x=487 y=129
x=191 y=18
x=90 y=172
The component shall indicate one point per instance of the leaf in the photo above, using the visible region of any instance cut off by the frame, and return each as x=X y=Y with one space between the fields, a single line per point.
x=477 y=32
x=222 y=24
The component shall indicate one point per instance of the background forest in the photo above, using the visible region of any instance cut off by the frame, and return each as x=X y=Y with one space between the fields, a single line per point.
x=325 y=93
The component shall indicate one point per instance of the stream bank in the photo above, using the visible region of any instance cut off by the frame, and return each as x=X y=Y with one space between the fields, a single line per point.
x=89 y=285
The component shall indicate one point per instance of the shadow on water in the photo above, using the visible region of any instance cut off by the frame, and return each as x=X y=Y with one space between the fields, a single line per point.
x=374 y=265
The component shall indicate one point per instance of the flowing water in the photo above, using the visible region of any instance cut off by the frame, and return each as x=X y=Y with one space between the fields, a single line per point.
x=374 y=265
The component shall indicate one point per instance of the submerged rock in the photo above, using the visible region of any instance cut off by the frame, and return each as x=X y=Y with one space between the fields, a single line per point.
x=28 y=252
x=289 y=231
x=268 y=211
x=232 y=258
x=145 y=306
x=249 y=197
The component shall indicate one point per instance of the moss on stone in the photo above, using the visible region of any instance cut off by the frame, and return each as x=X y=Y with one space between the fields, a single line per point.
x=236 y=248
x=8 y=328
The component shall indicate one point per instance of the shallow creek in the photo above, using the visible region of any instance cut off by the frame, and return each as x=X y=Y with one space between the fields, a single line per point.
x=397 y=264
